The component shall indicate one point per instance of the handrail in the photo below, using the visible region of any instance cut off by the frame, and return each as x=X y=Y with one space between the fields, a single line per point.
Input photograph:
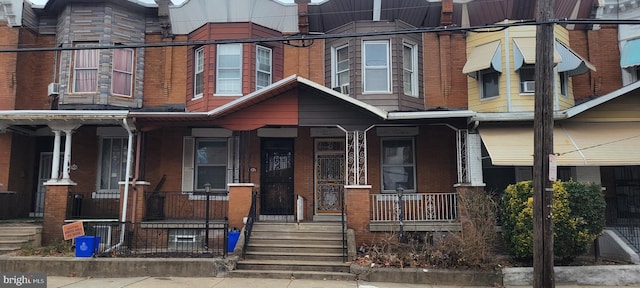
x=345 y=247
x=249 y=225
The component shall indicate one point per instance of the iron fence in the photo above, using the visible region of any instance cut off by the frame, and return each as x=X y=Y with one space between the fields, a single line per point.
x=92 y=205
x=158 y=239
x=623 y=214
x=185 y=205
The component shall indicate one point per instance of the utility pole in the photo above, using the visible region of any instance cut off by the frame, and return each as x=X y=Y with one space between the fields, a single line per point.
x=543 y=146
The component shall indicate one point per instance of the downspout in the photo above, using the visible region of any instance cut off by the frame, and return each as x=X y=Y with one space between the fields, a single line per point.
x=136 y=174
x=126 y=185
x=507 y=62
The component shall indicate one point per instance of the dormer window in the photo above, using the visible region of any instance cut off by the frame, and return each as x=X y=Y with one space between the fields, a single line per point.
x=229 y=69
x=122 y=83
x=527 y=79
x=85 y=69
x=376 y=66
x=198 y=85
x=263 y=67
x=340 y=66
x=489 y=80
x=410 y=69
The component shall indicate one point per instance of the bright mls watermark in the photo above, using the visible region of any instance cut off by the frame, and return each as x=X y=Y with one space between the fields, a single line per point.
x=23 y=280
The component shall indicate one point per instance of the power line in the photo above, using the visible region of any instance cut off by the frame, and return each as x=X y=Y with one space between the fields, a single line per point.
x=310 y=37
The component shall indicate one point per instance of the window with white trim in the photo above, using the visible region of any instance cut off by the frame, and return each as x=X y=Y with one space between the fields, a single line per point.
x=340 y=66
x=113 y=163
x=122 y=83
x=211 y=164
x=398 y=164
x=263 y=67
x=527 y=79
x=409 y=69
x=489 y=81
x=198 y=72
x=229 y=69
x=376 y=66
x=85 y=69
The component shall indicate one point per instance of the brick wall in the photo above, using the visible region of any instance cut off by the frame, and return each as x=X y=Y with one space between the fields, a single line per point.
x=445 y=84
x=600 y=47
x=165 y=80
x=304 y=172
x=9 y=39
x=34 y=71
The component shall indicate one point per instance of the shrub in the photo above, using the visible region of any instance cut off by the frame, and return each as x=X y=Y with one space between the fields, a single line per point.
x=577 y=214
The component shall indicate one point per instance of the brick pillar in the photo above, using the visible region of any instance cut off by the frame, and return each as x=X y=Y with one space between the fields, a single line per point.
x=462 y=191
x=55 y=211
x=358 y=211
x=239 y=203
x=136 y=202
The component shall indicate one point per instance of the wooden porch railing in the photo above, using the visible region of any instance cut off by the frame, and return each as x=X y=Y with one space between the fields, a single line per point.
x=416 y=207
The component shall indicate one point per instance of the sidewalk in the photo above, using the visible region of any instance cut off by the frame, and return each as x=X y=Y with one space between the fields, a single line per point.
x=212 y=282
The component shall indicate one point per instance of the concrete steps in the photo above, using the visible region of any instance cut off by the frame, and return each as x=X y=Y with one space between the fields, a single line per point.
x=295 y=250
x=14 y=236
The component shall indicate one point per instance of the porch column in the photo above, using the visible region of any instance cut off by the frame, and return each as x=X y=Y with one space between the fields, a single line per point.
x=358 y=211
x=55 y=162
x=68 y=129
x=356 y=157
x=55 y=204
x=239 y=203
x=469 y=155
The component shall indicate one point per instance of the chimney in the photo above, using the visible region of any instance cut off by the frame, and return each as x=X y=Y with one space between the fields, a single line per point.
x=446 y=18
x=303 y=16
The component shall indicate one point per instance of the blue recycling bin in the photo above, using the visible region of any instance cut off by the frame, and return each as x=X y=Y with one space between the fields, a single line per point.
x=233 y=240
x=87 y=246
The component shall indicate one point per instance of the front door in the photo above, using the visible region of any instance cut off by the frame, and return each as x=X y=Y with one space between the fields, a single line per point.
x=276 y=194
x=329 y=175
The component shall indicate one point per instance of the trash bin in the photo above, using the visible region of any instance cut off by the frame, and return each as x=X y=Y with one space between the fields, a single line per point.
x=87 y=246
x=233 y=239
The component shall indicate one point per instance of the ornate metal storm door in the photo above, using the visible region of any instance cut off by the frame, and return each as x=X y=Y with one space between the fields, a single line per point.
x=329 y=175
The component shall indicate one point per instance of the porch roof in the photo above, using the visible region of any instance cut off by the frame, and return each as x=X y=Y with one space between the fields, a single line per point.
x=50 y=117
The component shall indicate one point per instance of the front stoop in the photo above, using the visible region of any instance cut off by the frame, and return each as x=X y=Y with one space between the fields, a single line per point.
x=15 y=236
x=295 y=251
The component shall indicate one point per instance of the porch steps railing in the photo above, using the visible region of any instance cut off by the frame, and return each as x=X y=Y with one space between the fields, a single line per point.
x=416 y=207
x=300 y=250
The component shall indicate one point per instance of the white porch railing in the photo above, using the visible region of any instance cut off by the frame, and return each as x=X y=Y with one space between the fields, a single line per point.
x=416 y=207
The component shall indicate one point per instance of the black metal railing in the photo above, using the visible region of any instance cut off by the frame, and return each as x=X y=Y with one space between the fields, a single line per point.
x=157 y=239
x=248 y=227
x=185 y=205
x=623 y=214
x=92 y=205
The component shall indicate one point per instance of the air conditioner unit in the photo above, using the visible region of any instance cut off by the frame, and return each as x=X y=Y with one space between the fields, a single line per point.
x=53 y=89
x=344 y=89
x=528 y=86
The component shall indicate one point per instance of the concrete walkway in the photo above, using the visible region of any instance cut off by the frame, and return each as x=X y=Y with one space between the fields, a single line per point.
x=212 y=282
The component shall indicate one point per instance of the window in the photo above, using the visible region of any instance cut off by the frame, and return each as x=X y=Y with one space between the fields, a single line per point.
x=85 y=70
x=113 y=162
x=340 y=66
x=489 y=80
x=409 y=69
x=122 y=83
x=376 y=66
x=211 y=163
x=229 y=69
x=263 y=67
x=198 y=76
x=527 y=79
x=564 y=84
x=398 y=165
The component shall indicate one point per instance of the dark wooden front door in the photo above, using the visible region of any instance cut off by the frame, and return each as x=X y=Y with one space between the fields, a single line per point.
x=277 y=177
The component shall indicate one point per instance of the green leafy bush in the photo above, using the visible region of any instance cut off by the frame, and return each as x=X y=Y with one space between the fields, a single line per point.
x=577 y=213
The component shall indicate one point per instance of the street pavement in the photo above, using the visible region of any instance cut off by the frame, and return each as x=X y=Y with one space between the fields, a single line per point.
x=212 y=282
